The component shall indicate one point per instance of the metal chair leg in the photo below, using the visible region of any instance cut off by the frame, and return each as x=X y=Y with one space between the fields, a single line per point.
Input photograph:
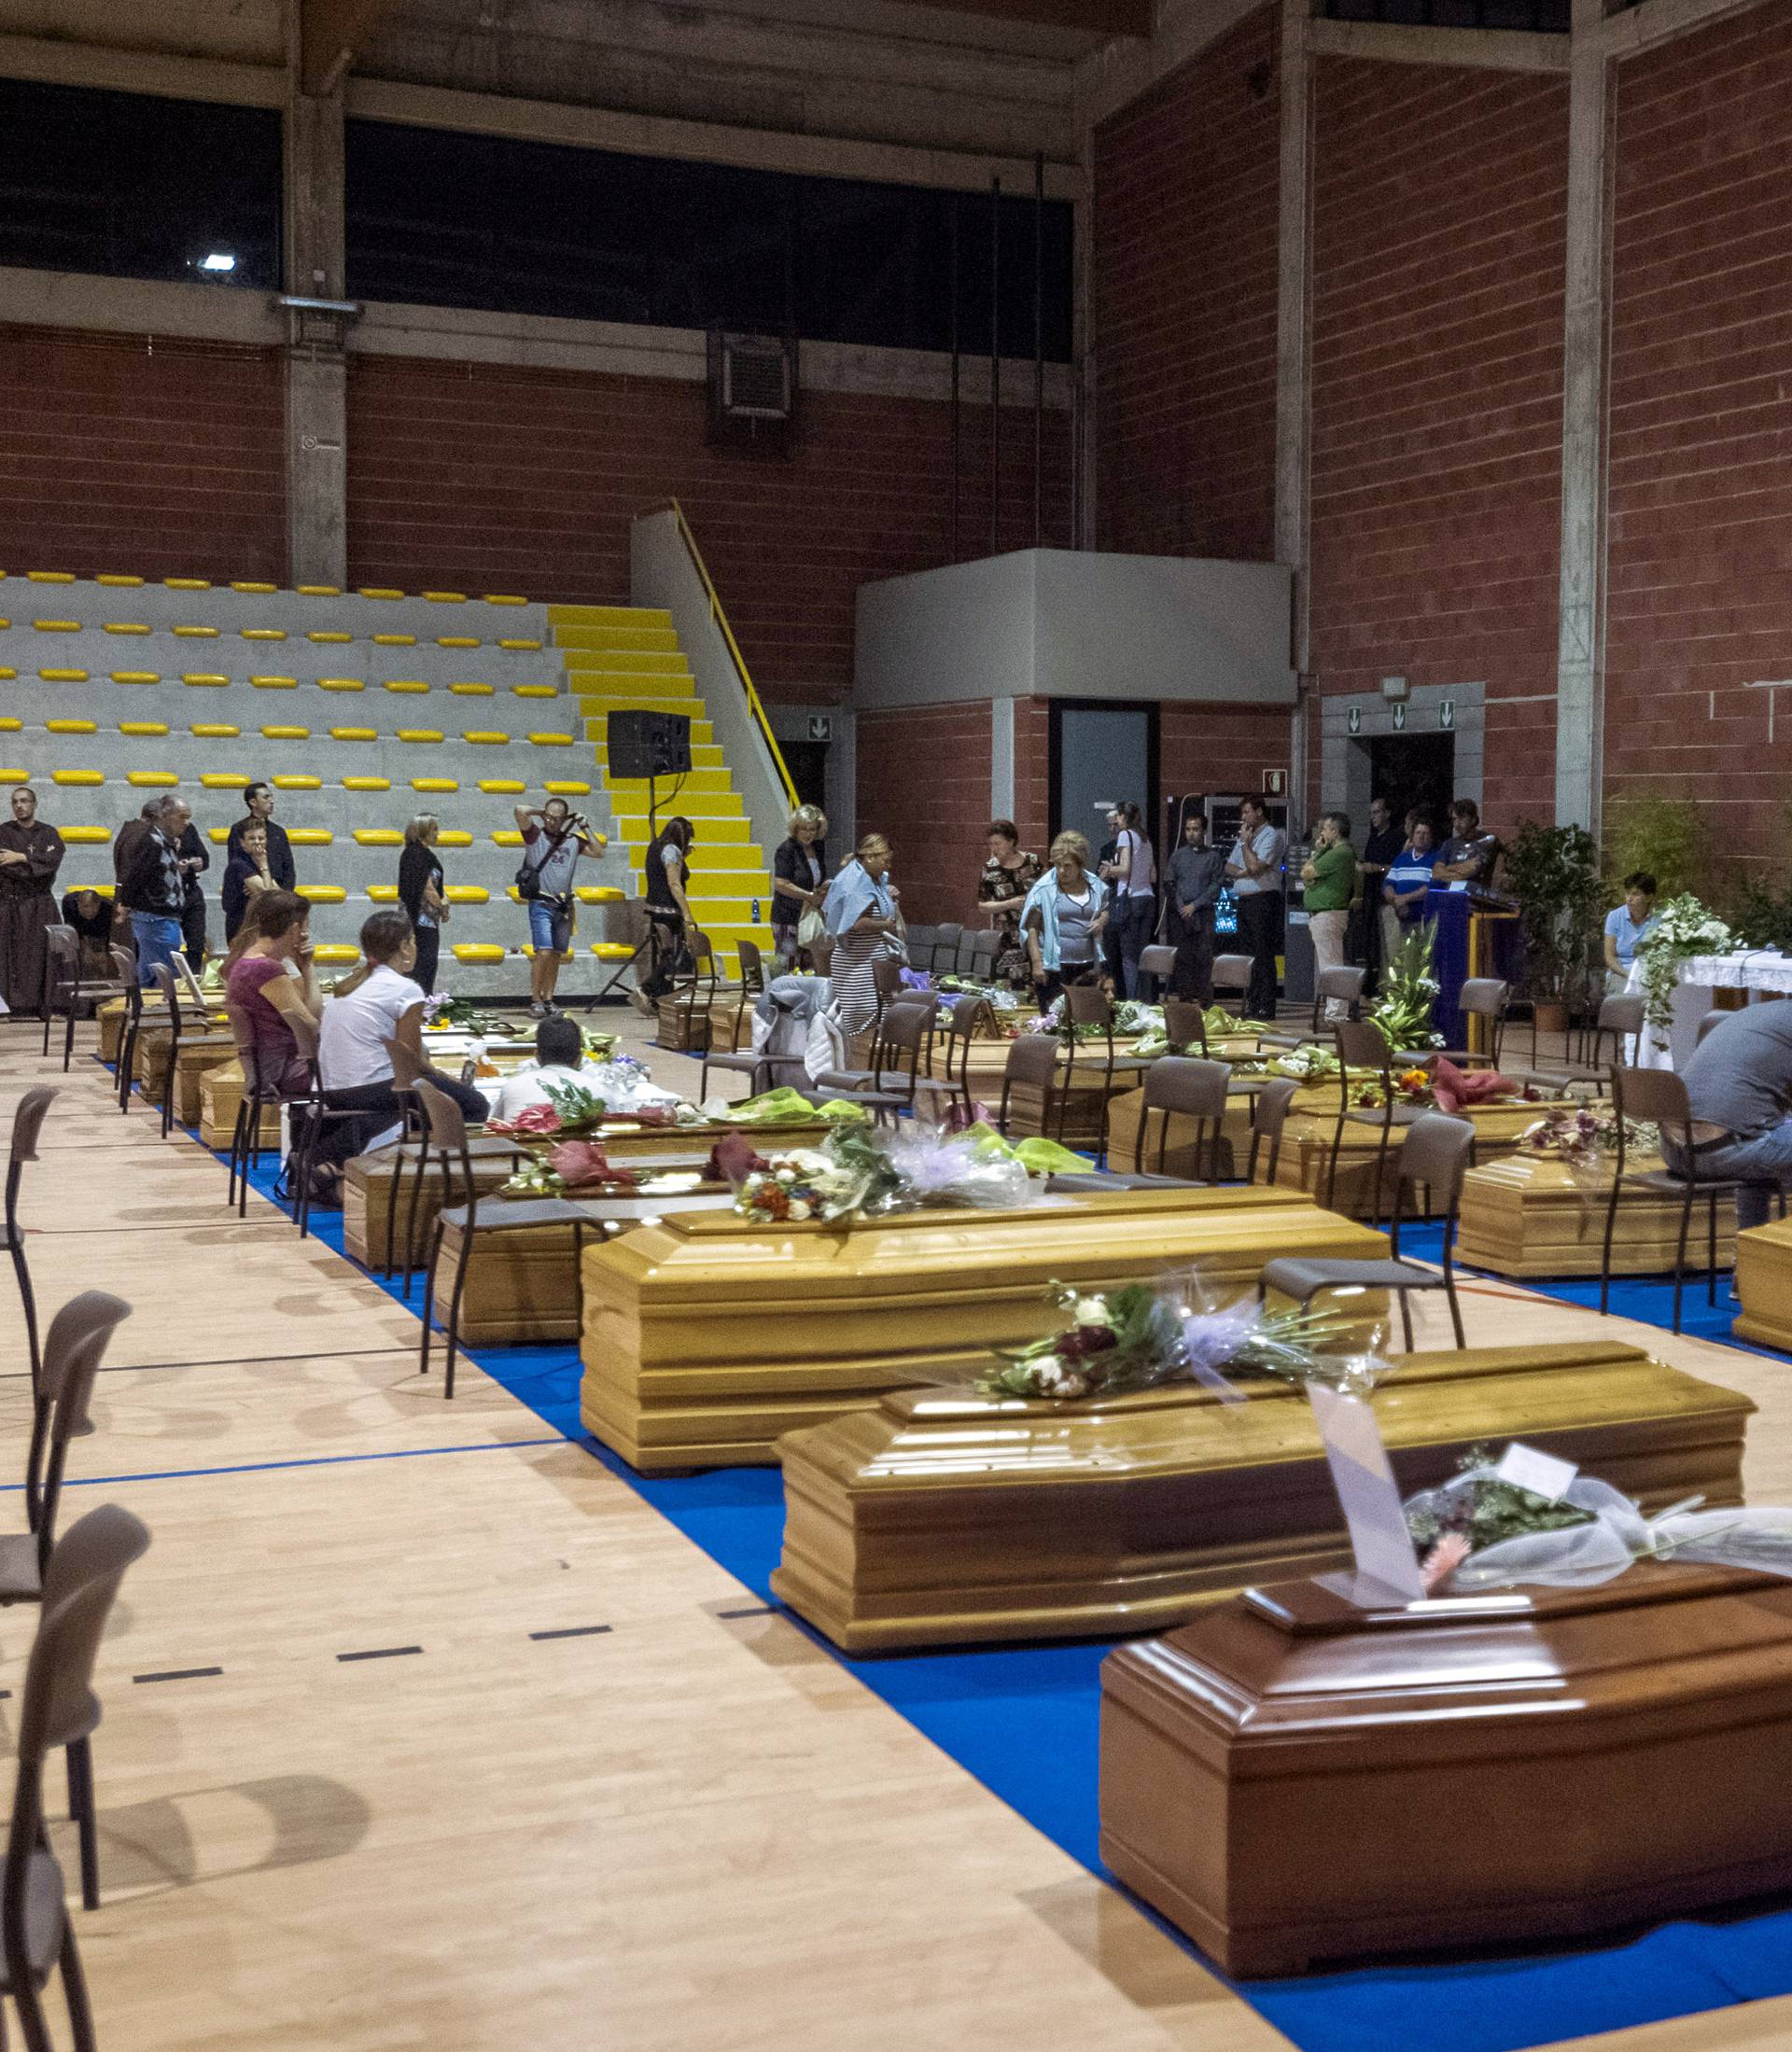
x=1605 y=1257
x=456 y=1295
x=1405 y=1317
x=422 y=1168
x=429 y=1296
x=28 y=1301
x=1711 y=1253
x=80 y=1808
x=1680 y=1255
x=80 y=2014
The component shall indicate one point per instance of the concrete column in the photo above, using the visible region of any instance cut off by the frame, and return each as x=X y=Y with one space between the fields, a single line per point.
x=316 y=369
x=1293 y=356
x=1001 y=758
x=1580 y=658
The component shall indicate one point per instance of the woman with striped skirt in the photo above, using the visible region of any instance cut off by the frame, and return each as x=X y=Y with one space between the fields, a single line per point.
x=861 y=916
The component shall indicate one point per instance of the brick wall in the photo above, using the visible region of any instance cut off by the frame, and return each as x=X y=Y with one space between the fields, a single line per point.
x=1210 y=748
x=924 y=782
x=126 y=457
x=1439 y=211
x=488 y=477
x=1185 y=306
x=1700 y=602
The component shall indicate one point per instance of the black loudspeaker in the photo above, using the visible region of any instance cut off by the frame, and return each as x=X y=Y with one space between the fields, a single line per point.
x=645 y=745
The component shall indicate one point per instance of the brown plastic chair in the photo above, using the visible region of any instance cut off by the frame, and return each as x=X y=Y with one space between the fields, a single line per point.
x=77 y=1339
x=302 y=1154
x=66 y=990
x=963 y=1017
x=1184 y=1088
x=1481 y=998
x=887 y=1087
x=741 y=1061
x=1267 y=1119
x=1344 y=985
x=1158 y=962
x=448 y=1136
x=1660 y=1096
x=27 y=1125
x=167 y=982
x=1433 y=1158
x=1088 y=1004
x=1185 y=1025
x=59 y=1708
x=1031 y=1065
x=1233 y=973
x=1362 y=1044
x=246 y=1136
x=1619 y=1017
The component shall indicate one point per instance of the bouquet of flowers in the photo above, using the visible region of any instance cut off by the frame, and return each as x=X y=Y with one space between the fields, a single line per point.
x=801 y=1182
x=1456 y=1088
x=1409 y=988
x=1683 y=928
x=1582 y=1136
x=1311 y=1064
x=571 y=1112
x=443 y=1014
x=1134 y=1337
x=1411 y=1086
x=856 y=1173
x=1132 y=1016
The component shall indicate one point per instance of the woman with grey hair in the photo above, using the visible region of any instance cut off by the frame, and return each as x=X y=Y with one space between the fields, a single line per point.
x=799 y=877
x=422 y=894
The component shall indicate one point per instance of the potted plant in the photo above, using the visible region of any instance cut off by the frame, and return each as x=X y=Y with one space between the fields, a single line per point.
x=1553 y=873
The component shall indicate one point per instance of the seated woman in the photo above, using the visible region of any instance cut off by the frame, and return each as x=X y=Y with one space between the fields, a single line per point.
x=1007 y=876
x=377 y=1002
x=863 y=922
x=1063 y=920
x=1627 y=927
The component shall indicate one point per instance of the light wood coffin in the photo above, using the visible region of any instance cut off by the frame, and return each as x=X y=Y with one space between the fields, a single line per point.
x=944 y=1517
x=707 y=1337
x=220 y=1098
x=1291 y=1781
x=1526 y=1216
x=1764 y=1284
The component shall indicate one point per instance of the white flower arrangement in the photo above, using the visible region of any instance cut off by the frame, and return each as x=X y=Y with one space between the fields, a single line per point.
x=1683 y=926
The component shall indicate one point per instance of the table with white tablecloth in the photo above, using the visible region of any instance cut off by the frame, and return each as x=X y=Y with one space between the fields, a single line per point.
x=1759 y=971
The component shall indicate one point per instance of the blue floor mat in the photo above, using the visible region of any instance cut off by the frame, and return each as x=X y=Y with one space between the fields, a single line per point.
x=1023 y=1720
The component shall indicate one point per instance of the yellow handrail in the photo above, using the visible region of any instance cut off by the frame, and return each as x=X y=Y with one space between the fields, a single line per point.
x=720 y=619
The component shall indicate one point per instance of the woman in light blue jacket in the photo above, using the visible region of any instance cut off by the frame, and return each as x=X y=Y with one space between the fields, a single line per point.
x=1063 y=919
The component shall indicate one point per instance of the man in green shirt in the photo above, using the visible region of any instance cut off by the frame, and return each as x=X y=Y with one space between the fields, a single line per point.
x=1329 y=874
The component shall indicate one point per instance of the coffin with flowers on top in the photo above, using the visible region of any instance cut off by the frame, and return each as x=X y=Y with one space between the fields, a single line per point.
x=944 y=1517
x=706 y=1337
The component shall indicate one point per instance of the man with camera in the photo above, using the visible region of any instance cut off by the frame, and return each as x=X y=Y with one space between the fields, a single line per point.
x=553 y=838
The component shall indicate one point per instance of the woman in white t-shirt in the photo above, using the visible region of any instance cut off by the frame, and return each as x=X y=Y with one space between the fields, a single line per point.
x=377 y=1002
x=1132 y=877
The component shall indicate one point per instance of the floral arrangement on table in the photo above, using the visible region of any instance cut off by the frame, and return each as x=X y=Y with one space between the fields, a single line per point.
x=1113 y=1342
x=1684 y=927
x=998 y=997
x=1480 y=1531
x=1409 y=988
x=856 y=1173
x=1311 y=1064
x=1411 y=1086
x=1582 y=1136
x=442 y=1014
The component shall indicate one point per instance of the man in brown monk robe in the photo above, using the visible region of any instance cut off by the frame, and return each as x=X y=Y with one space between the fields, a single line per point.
x=31 y=853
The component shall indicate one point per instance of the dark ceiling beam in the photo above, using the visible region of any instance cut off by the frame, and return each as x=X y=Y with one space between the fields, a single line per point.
x=330 y=34
x=1102 y=18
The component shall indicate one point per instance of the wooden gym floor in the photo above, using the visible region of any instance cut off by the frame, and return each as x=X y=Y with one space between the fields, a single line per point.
x=423 y=1730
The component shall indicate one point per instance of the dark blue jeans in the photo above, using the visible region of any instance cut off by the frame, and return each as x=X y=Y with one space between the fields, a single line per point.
x=1133 y=918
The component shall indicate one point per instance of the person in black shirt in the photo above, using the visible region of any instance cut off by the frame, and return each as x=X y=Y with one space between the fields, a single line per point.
x=194 y=859
x=1380 y=851
x=673 y=925
x=246 y=875
x=90 y=916
x=1469 y=856
x=1193 y=880
x=259 y=798
x=422 y=894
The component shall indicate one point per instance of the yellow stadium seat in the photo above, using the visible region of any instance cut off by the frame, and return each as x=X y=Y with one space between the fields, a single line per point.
x=51 y=576
x=384 y=894
x=435 y=783
x=468 y=894
x=143 y=726
x=64 y=676
x=395 y=641
x=447 y=598
x=453 y=837
x=14 y=776
x=86 y=836
x=322 y=894
x=114 y=578
x=508 y=837
x=412 y=684
x=418 y=733
x=127 y=627
x=286 y=734
x=367 y=783
x=505 y=599
x=208 y=677
x=224 y=780
x=11 y=726
x=336 y=951
x=264 y=633
x=519 y=643
x=341 y=684
x=274 y=683
x=70 y=725
x=567 y=788
x=136 y=677
x=353 y=734
x=297 y=782
x=529 y=952
x=379 y=591
x=217 y=835
x=197 y=634
x=99 y=890
x=215 y=729
x=310 y=837
x=599 y=894
x=472 y=691
x=478 y=950
x=551 y=740
x=612 y=951
x=379 y=837
x=514 y=895
x=504 y=786
x=77 y=777
x=534 y=690
x=456 y=641
x=9 y=674
x=188 y=583
x=151 y=779
x=486 y=737
x=244 y=587
x=57 y=626
x=327 y=634
x=318 y=590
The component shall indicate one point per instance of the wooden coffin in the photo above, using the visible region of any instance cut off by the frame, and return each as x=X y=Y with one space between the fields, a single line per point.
x=1525 y=1215
x=1764 y=1284
x=940 y=1518
x=1075 y=1112
x=708 y=1338
x=705 y=1027
x=190 y=1068
x=220 y=1098
x=1290 y=1780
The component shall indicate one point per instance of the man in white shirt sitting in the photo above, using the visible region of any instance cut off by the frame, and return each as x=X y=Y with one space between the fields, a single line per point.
x=559 y=1061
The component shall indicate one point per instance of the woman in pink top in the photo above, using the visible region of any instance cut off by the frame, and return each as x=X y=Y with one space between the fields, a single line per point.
x=261 y=984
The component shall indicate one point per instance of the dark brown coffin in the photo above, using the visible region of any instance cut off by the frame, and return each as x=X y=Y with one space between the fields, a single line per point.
x=1292 y=1781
